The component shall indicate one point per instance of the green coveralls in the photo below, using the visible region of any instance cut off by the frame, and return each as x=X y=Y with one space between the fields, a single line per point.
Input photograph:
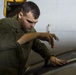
x=13 y=57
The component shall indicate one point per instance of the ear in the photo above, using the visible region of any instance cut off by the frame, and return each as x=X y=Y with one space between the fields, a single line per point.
x=20 y=15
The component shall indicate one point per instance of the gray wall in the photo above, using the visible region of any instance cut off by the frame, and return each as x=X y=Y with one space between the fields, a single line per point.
x=59 y=13
x=1 y=8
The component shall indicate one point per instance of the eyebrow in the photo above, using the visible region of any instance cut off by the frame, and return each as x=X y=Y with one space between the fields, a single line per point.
x=31 y=21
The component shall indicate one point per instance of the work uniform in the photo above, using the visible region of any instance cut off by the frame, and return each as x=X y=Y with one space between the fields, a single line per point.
x=13 y=57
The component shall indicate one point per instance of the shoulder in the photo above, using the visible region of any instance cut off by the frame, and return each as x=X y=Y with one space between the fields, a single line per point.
x=8 y=22
x=4 y=20
x=4 y=23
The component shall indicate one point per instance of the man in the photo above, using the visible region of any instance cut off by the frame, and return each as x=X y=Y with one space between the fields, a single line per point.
x=18 y=37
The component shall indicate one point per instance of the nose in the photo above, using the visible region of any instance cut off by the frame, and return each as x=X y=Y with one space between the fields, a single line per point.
x=32 y=25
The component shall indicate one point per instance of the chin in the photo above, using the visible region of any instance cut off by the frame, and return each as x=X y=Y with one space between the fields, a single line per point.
x=28 y=30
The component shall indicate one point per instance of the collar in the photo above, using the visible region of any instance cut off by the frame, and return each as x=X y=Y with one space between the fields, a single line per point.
x=15 y=23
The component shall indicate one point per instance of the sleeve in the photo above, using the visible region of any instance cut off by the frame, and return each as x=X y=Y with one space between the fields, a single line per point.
x=41 y=49
x=7 y=38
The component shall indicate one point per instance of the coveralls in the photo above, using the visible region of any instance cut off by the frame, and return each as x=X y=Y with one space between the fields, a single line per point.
x=13 y=57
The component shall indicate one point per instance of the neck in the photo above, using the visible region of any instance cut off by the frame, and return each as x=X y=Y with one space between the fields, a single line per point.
x=19 y=22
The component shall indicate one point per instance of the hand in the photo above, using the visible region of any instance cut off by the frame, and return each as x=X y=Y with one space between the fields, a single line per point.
x=48 y=37
x=55 y=61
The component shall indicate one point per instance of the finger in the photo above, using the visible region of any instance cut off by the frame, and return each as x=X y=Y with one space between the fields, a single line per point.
x=49 y=40
x=63 y=62
x=55 y=37
x=60 y=62
x=52 y=42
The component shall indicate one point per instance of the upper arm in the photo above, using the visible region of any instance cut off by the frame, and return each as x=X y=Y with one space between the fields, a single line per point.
x=7 y=38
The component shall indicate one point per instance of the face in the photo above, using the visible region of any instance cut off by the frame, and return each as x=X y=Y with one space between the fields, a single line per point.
x=28 y=22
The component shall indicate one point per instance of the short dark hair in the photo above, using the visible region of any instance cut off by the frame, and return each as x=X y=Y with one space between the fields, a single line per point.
x=32 y=7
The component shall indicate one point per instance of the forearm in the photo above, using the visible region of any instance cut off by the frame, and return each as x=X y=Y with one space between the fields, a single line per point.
x=41 y=49
x=27 y=37
x=43 y=36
